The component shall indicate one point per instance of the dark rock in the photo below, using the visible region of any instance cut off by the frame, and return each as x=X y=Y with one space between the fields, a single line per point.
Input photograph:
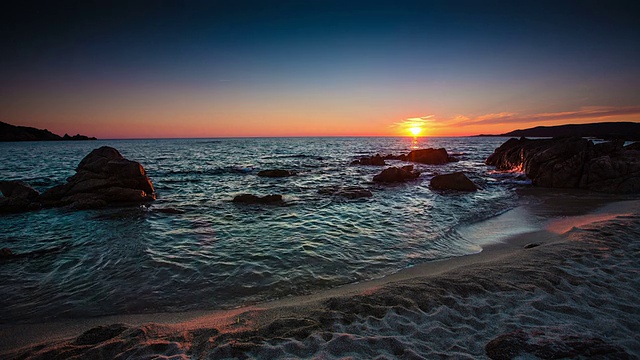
x=103 y=177
x=18 y=189
x=571 y=163
x=429 y=156
x=277 y=173
x=6 y=253
x=18 y=197
x=455 y=181
x=99 y=334
x=252 y=199
x=549 y=345
x=394 y=174
x=376 y=160
x=633 y=146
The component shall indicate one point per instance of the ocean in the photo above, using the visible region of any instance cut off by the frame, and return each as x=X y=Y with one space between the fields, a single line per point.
x=217 y=254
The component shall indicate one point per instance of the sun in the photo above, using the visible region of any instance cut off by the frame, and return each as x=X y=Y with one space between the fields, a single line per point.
x=415 y=131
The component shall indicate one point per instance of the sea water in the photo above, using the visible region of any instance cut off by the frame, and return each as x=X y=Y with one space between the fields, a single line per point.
x=219 y=254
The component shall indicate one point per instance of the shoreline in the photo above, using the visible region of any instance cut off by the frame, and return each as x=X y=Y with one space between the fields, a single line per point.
x=510 y=252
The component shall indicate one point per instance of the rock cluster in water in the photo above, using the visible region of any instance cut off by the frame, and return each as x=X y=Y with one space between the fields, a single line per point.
x=428 y=156
x=102 y=178
x=572 y=162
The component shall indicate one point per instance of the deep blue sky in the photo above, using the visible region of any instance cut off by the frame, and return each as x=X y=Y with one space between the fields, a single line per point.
x=317 y=68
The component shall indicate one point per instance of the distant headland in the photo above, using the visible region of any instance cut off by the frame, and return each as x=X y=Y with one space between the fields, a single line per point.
x=10 y=132
x=603 y=130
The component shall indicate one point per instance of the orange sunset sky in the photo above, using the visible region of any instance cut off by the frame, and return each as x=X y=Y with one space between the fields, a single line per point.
x=236 y=69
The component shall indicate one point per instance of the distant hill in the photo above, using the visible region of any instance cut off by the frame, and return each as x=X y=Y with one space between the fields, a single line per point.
x=10 y=132
x=603 y=130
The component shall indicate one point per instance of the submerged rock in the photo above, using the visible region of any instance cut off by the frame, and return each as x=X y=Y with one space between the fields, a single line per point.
x=103 y=177
x=395 y=174
x=349 y=192
x=169 y=210
x=276 y=173
x=18 y=197
x=253 y=199
x=455 y=181
x=6 y=253
x=572 y=163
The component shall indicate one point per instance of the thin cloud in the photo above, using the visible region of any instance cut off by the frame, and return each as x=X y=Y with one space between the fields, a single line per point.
x=515 y=118
x=414 y=121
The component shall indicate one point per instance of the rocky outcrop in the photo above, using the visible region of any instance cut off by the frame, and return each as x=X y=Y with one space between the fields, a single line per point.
x=18 y=197
x=276 y=173
x=602 y=130
x=376 y=160
x=544 y=345
x=395 y=174
x=10 y=132
x=103 y=177
x=253 y=199
x=455 y=181
x=572 y=163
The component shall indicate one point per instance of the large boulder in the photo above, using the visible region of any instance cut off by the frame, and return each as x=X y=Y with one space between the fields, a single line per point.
x=395 y=174
x=429 y=156
x=103 y=177
x=572 y=163
x=455 y=181
x=18 y=197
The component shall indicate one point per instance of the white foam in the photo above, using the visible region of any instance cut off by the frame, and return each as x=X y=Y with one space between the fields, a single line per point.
x=513 y=222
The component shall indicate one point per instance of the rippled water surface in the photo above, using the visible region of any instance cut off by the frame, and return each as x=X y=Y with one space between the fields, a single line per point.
x=220 y=254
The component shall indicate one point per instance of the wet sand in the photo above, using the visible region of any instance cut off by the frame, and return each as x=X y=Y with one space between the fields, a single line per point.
x=573 y=276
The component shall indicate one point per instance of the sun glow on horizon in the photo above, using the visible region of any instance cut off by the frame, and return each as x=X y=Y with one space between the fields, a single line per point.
x=415 y=131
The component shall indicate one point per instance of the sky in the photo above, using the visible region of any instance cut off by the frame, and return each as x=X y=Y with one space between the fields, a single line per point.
x=170 y=69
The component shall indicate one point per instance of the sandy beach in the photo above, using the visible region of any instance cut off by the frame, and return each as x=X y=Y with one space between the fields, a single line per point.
x=567 y=289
